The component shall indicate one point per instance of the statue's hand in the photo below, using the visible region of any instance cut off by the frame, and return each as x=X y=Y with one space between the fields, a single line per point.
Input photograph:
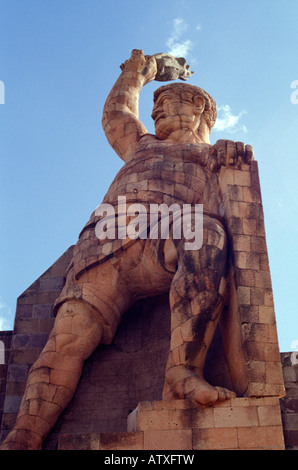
x=229 y=153
x=140 y=63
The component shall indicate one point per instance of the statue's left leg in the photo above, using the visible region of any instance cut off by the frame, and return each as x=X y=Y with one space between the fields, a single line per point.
x=196 y=297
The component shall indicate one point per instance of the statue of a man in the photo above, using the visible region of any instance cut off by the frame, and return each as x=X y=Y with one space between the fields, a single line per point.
x=174 y=166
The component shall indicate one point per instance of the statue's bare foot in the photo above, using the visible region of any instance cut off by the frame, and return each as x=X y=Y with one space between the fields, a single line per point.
x=197 y=389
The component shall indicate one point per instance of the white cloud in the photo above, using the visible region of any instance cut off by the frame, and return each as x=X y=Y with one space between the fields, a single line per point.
x=179 y=26
x=226 y=121
x=177 y=46
x=180 y=49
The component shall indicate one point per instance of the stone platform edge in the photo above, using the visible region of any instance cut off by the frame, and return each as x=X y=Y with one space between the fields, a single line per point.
x=236 y=424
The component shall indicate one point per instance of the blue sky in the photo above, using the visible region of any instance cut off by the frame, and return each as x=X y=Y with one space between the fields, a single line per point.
x=58 y=61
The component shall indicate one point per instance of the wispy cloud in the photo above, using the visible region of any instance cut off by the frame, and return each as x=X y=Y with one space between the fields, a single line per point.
x=229 y=122
x=178 y=46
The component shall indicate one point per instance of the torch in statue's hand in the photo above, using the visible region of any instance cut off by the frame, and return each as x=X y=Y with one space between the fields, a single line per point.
x=171 y=68
x=160 y=67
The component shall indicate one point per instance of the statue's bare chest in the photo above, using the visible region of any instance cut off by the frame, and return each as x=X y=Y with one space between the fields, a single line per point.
x=162 y=172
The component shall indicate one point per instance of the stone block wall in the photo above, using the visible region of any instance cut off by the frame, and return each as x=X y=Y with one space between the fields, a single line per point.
x=33 y=323
x=249 y=326
x=240 y=423
x=289 y=403
x=116 y=377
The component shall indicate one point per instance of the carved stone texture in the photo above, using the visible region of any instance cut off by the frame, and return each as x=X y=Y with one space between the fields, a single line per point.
x=168 y=67
x=249 y=328
x=171 y=68
x=236 y=424
x=178 y=168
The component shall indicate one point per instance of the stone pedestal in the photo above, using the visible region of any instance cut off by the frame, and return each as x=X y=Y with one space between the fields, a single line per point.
x=238 y=424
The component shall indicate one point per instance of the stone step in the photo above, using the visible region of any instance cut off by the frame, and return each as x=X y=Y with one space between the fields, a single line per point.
x=239 y=423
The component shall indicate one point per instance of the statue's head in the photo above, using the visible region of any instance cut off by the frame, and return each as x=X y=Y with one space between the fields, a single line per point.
x=183 y=106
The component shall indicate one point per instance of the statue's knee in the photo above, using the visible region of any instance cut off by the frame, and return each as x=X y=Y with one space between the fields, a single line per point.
x=77 y=330
x=212 y=256
x=72 y=346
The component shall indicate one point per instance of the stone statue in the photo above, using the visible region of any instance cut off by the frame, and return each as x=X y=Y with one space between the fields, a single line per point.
x=177 y=165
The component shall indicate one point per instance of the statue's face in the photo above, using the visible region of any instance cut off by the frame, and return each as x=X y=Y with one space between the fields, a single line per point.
x=174 y=111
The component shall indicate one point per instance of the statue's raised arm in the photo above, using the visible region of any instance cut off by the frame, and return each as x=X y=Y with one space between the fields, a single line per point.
x=120 y=114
